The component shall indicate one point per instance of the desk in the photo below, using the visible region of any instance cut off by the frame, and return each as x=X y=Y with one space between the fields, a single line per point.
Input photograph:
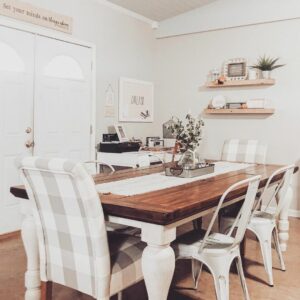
x=130 y=159
x=158 y=214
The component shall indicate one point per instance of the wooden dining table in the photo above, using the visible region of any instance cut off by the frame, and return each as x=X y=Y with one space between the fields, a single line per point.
x=157 y=213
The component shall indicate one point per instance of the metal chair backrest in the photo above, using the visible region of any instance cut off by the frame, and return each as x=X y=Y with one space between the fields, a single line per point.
x=70 y=223
x=247 y=151
x=279 y=191
x=243 y=217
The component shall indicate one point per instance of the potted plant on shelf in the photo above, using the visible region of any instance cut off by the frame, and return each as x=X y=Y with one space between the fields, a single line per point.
x=266 y=65
x=188 y=137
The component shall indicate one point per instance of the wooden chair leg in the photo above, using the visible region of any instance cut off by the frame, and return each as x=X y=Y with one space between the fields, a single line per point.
x=46 y=291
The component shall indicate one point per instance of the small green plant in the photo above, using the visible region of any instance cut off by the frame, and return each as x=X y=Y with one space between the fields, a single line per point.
x=265 y=63
x=189 y=134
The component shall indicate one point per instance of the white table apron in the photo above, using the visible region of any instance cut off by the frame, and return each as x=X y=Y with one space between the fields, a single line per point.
x=158 y=260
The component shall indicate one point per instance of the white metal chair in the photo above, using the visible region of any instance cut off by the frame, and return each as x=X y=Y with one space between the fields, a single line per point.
x=94 y=167
x=218 y=251
x=75 y=249
x=263 y=221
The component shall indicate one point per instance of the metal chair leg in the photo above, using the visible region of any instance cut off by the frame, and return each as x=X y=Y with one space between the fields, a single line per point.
x=239 y=267
x=278 y=249
x=120 y=296
x=196 y=271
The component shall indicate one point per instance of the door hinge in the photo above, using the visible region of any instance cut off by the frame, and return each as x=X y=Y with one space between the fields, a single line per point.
x=91 y=129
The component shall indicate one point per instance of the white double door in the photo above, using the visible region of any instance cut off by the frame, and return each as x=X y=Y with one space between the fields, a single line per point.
x=45 y=107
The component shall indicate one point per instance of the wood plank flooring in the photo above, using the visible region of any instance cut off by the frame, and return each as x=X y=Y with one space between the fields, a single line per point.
x=287 y=284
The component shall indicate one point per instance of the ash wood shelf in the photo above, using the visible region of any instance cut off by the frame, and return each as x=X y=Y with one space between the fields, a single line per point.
x=239 y=83
x=241 y=111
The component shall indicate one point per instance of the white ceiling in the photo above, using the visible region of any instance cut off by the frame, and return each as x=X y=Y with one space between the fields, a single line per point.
x=159 y=10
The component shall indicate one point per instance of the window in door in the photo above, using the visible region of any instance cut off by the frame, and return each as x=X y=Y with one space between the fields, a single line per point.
x=10 y=61
x=64 y=67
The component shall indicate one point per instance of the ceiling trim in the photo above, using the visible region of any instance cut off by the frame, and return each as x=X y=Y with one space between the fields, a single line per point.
x=152 y=23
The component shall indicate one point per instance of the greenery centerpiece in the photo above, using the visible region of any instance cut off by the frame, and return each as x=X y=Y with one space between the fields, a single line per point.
x=188 y=135
x=266 y=65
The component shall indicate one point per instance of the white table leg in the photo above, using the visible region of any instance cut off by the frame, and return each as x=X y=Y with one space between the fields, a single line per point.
x=283 y=224
x=158 y=260
x=29 y=237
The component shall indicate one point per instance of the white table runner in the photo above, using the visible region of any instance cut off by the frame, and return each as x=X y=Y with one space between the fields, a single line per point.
x=158 y=181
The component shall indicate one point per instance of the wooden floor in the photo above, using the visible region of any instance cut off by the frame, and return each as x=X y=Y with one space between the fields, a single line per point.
x=287 y=284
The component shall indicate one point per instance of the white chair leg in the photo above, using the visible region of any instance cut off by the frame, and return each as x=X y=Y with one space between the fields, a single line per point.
x=196 y=271
x=266 y=250
x=239 y=266
x=278 y=248
x=220 y=273
x=120 y=296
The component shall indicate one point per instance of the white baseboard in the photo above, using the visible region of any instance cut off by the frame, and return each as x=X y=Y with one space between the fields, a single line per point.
x=294 y=213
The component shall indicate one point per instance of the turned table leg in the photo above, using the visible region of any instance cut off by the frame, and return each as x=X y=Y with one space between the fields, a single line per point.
x=283 y=224
x=29 y=237
x=158 y=260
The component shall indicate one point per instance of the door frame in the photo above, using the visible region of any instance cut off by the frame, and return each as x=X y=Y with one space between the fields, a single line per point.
x=36 y=30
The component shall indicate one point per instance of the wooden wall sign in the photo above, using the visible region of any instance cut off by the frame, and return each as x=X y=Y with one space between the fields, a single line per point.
x=26 y=12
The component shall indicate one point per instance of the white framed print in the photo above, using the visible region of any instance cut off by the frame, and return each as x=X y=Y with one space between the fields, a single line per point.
x=135 y=100
x=121 y=133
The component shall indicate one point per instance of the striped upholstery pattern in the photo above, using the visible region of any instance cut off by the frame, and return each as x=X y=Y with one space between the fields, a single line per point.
x=248 y=151
x=73 y=242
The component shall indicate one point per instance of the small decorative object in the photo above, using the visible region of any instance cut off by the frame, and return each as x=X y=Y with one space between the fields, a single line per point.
x=236 y=69
x=121 y=133
x=218 y=102
x=135 y=100
x=221 y=80
x=266 y=65
x=215 y=74
x=235 y=105
x=256 y=103
x=252 y=75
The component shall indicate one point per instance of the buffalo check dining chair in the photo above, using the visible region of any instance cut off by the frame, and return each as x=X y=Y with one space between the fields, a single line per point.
x=217 y=251
x=247 y=151
x=75 y=249
x=263 y=222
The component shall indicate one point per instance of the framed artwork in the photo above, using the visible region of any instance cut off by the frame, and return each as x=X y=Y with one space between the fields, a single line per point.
x=135 y=100
x=236 y=69
x=121 y=133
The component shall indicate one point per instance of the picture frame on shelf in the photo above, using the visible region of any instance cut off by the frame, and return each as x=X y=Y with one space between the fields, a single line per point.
x=136 y=100
x=236 y=69
x=121 y=133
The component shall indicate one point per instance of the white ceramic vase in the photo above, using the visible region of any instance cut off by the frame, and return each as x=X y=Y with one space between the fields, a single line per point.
x=266 y=74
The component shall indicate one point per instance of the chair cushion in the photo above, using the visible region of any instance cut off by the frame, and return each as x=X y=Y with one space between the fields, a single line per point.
x=126 y=254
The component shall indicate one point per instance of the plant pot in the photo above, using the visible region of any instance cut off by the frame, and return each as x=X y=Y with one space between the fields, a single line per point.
x=266 y=74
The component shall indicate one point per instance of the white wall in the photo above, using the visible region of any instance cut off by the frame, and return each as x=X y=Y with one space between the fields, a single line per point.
x=183 y=64
x=125 y=47
x=229 y=13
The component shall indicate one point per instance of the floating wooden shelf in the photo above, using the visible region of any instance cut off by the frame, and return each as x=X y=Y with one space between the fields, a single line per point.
x=238 y=83
x=241 y=111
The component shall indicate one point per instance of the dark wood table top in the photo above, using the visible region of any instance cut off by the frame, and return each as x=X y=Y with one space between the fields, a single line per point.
x=171 y=204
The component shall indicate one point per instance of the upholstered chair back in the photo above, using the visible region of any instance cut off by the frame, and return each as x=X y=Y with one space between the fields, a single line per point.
x=70 y=223
x=247 y=151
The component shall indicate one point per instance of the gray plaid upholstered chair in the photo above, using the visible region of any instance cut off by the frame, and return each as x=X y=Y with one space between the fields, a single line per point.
x=247 y=151
x=75 y=249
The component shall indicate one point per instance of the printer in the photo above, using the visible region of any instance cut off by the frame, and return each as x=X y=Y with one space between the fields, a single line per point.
x=110 y=143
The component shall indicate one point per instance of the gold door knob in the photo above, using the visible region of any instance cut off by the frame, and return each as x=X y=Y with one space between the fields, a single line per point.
x=29 y=144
